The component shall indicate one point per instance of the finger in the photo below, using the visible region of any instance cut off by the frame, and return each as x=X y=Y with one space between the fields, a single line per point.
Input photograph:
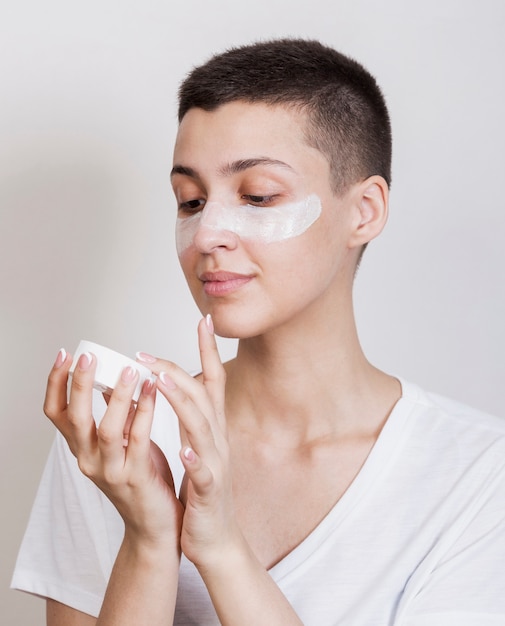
x=157 y=366
x=129 y=420
x=55 y=402
x=197 y=427
x=153 y=363
x=214 y=375
x=182 y=379
x=139 y=437
x=106 y=395
x=80 y=406
x=112 y=429
x=198 y=473
x=190 y=386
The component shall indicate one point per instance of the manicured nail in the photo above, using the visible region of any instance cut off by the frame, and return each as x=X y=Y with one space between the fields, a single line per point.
x=209 y=323
x=148 y=386
x=145 y=358
x=61 y=358
x=85 y=361
x=128 y=374
x=167 y=381
x=188 y=454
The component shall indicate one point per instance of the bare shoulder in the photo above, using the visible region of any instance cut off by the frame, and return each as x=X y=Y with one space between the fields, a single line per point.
x=58 y=614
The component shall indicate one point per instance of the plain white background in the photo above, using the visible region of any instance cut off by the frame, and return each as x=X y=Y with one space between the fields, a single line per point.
x=87 y=121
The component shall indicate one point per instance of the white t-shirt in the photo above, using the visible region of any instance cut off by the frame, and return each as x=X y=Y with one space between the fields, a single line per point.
x=418 y=539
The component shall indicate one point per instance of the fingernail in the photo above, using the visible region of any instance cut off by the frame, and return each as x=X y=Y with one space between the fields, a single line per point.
x=85 y=361
x=188 y=454
x=167 y=381
x=145 y=358
x=61 y=358
x=128 y=374
x=210 y=323
x=148 y=386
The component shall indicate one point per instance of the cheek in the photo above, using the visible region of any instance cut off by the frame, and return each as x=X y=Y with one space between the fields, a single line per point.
x=188 y=262
x=277 y=224
x=185 y=231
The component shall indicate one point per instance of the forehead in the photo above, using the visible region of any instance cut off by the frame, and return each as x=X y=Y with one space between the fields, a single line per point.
x=242 y=130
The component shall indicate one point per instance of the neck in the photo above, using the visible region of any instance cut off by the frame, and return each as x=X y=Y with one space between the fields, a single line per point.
x=304 y=383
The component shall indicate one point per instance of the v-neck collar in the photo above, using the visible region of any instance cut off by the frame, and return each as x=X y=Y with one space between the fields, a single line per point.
x=382 y=455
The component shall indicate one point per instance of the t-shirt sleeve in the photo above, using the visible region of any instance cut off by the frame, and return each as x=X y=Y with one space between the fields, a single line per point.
x=72 y=538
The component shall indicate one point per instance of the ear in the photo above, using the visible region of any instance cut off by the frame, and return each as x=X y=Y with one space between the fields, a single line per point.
x=371 y=201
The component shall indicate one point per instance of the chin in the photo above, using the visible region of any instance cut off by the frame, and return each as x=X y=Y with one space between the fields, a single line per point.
x=234 y=326
x=233 y=331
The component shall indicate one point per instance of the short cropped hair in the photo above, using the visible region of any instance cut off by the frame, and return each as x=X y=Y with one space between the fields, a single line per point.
x=346 y=114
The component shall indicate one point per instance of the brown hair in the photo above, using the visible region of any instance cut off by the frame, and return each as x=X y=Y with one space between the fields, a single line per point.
x=347 y=117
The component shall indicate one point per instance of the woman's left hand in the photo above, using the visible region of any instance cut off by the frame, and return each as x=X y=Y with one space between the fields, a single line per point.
x=209 y=527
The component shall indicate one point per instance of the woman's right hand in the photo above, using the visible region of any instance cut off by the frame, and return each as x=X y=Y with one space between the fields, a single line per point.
x=118 y=455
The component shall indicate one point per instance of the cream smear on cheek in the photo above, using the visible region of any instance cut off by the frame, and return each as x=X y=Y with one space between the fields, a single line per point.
x=261 y=224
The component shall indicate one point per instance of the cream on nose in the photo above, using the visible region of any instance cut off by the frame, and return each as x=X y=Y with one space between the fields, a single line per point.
x=210 y=234
x=212 y=215
x=206 y=230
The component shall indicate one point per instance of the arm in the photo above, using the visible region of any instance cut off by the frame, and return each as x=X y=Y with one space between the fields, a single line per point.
x=58 y=614
x=242 y=591
x=136 y=478
x=141 y=589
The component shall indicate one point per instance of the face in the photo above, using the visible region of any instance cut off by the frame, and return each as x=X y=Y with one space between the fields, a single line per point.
x=260 y=235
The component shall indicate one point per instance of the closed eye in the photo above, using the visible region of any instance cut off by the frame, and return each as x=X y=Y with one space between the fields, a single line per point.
x=259 y=200
x=191 y=206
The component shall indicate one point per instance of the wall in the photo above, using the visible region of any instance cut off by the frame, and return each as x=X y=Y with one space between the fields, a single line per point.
x=86 y=213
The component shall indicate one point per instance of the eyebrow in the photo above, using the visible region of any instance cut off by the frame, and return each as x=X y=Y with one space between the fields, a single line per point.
x=235 y=167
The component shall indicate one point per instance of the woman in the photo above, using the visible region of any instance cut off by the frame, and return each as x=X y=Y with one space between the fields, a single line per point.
x=317 y=489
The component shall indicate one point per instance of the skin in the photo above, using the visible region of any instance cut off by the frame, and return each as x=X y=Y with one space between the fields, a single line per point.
x=299 y=402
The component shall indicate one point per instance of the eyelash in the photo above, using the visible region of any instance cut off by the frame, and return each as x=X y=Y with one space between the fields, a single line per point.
x=259 y=200
x=193 y=206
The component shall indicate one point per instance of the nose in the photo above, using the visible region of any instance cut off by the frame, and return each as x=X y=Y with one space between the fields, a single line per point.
x=214 y=230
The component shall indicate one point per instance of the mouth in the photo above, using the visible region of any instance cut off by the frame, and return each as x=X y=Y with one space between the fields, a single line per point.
x=221 y=283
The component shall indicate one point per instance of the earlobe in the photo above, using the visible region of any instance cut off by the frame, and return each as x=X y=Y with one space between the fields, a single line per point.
x=371 y=210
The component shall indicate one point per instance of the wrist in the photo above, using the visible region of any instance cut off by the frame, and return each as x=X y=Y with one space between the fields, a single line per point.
x=227 y=560
x=151 y=549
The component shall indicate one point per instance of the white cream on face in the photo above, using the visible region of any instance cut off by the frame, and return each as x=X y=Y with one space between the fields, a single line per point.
x=261 y=224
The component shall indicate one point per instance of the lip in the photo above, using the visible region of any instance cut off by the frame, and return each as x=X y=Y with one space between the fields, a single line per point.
x=221 y=282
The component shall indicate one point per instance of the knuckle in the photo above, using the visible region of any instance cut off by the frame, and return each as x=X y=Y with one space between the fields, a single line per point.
x=122 y=392
x=221 y=376
x=48 y=412
x=106 y=435
x=184 y=401
x=73 y=416
x=163 y=366
x=135 y=437
x=111 y=476
x=217 y=376
x=197 y=428
x=79 y=385
x=203 y=428
x=206 y=478
x=86 y=467
x=52 y=378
